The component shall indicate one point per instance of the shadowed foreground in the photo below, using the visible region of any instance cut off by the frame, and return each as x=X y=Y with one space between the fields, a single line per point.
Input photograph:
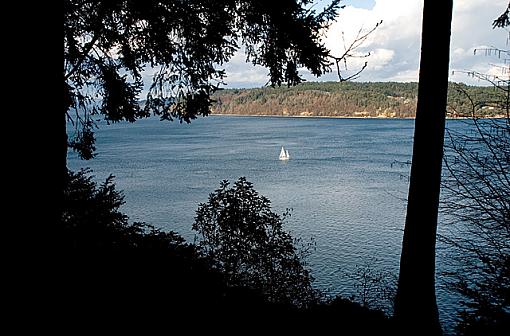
x=120 y=276
x=138 y=288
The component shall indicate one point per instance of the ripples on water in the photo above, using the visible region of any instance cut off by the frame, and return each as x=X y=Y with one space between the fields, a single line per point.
x=341 y=182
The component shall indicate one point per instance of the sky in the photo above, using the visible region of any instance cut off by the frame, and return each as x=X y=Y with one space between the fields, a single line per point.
x=395 y=44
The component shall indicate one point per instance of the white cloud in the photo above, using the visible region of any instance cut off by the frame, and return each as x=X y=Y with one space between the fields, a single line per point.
x=459 y=52
x=380 y=58
x=472 y=29
x=498 y=70
x=241 y=74
x=395 y=45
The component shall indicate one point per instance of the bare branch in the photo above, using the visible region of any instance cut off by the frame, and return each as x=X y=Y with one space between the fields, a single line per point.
x=349 y=52
x=356 y=75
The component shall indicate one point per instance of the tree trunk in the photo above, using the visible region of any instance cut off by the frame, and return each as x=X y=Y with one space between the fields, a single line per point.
x=415 y=306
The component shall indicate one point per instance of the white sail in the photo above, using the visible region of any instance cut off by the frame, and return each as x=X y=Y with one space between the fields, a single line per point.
x=284 y=154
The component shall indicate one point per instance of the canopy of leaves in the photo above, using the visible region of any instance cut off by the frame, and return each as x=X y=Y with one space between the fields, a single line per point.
x=239 y=231
x=108 y=44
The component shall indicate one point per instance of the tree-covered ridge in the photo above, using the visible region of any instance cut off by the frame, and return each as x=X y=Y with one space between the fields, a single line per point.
x=347 y=99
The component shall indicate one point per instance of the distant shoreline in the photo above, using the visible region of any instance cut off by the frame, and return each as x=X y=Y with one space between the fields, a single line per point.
x=348 y=100
x=335 y=117
x=301 y=116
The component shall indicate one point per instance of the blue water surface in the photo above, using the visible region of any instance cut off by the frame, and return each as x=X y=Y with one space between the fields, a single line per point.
x=346 y=181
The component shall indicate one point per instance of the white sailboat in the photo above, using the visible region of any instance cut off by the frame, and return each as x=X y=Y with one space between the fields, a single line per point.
x=284 y=154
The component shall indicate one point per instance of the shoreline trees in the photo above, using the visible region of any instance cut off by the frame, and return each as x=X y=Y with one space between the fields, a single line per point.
x=345 y=99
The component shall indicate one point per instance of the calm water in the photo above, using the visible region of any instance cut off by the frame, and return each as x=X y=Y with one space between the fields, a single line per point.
x=344 y=183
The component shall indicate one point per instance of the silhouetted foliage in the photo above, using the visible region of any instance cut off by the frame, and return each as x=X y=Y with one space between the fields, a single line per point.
x=476 y=204
x=92 y=221
x=346 y=317
x=238 y=230
x=109 y=44
x=90 y=213
x=131 y=273
x=503 y=20
x=117 y=275
x=375 y=289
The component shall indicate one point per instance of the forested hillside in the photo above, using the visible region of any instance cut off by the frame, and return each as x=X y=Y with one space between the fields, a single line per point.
x=347 y=99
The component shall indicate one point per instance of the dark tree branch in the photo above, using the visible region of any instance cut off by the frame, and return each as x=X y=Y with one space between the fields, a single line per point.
x=349 y=50
x=86 y=50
